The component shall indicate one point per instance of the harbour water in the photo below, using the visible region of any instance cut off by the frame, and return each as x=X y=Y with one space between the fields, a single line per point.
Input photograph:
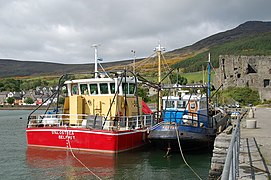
x=17 y=161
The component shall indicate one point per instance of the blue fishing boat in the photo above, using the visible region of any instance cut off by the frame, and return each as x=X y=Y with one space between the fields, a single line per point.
x=188 y=119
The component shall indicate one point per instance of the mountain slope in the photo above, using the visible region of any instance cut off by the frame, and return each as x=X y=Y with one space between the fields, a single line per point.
x=11 y=68
x=28 y=68
x=256 y=40
x=246 y=29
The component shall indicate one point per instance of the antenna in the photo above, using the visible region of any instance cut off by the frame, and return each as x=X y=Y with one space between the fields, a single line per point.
x=96 y=59
x=134 y=69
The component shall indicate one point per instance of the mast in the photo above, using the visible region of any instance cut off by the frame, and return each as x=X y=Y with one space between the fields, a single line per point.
x=96 y=59
x=159 y=50
x=203 y=74
x=209 y=75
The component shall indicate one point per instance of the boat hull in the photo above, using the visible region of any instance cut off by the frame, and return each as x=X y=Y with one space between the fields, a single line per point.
x=85 y=139
x=190 y=138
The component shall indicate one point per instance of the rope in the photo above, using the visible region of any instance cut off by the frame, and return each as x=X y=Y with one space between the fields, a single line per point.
x=79 y=159
x=178 y=138
x=168 y=150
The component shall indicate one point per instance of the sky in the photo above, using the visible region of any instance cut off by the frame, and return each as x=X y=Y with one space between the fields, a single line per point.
x=63 y=31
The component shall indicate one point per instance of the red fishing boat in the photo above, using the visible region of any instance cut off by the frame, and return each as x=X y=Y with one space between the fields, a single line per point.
x=101 y=114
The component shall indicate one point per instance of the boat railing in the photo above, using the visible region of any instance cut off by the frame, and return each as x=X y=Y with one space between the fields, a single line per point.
x=188 y=119
x=130 y=122
x=148 y=120
x=90 y=121
x=45 y=120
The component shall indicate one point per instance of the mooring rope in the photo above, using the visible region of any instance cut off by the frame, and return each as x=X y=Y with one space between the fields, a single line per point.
x=79 y=159
x=180 y=147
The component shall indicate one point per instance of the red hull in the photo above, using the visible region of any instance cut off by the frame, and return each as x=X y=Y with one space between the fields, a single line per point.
x=86 y=139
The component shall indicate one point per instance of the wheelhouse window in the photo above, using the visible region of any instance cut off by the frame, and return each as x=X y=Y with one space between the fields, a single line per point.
x=170 y=104
x=104 y=88
x=74 y=89
x=131 y=88
x=112 y=88
x=84 y=89
x=93 y=89
x=128 y=88
x=181 y=104
x=125 y=88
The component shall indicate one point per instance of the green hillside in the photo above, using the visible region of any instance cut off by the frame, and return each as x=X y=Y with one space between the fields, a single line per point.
x=252 y=45
x=15 y=68
x=200 y=76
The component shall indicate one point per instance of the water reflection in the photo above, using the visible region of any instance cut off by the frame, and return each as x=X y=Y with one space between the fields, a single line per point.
x=145 y=163
x=55 y=163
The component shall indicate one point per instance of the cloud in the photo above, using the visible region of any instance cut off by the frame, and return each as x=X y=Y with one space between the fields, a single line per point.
x=64 y=30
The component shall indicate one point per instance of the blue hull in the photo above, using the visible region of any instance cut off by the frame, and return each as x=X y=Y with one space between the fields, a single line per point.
x=190 y=137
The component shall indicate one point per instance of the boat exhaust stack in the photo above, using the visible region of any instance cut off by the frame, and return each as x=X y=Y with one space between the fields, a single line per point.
x=96 y=59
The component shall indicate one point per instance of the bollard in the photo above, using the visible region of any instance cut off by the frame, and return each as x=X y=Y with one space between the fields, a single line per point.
x=251 y=113
x=251 y=124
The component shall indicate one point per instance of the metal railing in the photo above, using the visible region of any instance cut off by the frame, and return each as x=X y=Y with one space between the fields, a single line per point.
x=231 y=166
x=130 y=122
x=186 y=119
x=43 y=120
x=81 y=120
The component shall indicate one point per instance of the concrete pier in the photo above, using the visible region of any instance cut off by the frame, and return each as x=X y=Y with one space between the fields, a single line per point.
x=255 y=147
x=255 y=150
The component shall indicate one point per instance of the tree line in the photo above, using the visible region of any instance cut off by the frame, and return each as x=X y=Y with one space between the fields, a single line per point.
x=17 y=85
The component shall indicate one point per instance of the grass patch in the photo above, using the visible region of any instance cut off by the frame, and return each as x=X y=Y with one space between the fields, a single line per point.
x=195 y=77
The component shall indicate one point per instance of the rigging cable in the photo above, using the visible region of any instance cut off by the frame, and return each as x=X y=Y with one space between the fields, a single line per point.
x=180 y=147
x=165 y=64
x=143 y=62
x=79 y=159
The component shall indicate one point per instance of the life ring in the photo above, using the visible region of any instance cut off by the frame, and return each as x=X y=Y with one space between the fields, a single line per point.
x=193 y=110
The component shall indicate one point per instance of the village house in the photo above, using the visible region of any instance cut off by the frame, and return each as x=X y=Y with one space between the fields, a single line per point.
x=3 y=97
x=38 y=95
x=17 y=96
